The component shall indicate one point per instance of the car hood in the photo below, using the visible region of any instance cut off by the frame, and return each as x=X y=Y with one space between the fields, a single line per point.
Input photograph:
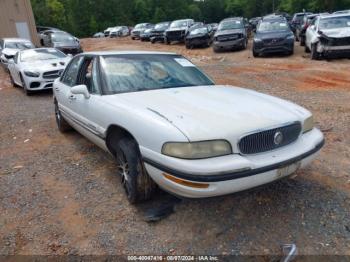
x=46 y=65
x=214 y=112
x=229 y=32
x=10 y=51
x=337 y=33
x=195 y=36
x=272 y=35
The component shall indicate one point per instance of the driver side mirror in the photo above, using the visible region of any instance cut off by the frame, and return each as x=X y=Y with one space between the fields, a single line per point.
x=80 y=90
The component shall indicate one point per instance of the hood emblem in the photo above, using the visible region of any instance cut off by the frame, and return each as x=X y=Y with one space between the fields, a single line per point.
x=278 y=138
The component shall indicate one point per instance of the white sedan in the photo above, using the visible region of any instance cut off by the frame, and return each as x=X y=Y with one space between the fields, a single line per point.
x=167 y=124
x=36 y=69
x=10 y=46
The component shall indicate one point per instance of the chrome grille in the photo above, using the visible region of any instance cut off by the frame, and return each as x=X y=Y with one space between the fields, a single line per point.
x=265 y=140
x=52 y=74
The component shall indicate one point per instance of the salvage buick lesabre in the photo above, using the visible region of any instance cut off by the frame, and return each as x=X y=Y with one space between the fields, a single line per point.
x=167 y=124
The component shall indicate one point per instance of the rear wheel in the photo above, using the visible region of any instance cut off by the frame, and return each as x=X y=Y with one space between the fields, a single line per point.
x=137 y=184
x=62 y=124
x=302 y=41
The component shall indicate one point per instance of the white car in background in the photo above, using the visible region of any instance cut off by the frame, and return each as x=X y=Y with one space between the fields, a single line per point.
x=167 y=124
x=328 y=35
x=36 y=69
x=119 y=31
x=10 y=46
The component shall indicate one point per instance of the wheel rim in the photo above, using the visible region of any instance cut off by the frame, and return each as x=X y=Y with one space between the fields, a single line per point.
x=124 y=172
x=57 y=115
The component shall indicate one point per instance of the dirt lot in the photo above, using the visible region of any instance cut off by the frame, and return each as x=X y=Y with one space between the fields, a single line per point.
x=59 y=193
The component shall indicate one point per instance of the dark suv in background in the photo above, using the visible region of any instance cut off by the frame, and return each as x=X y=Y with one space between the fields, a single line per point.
x=138 y=30
x=177 y=30
x=231 y=33
x=273 y=35
x=296 y=23
x=157 y=34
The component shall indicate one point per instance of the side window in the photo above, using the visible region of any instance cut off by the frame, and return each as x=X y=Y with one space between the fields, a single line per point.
x=90 y=75
x=1 y=44
x=71 y=74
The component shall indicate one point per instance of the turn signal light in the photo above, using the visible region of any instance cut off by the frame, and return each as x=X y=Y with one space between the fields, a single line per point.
x=185 y=182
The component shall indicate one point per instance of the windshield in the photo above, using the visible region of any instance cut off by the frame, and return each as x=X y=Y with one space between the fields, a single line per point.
x=161 y=26
x=133 y=73
x=197 y=31
x=272 y=26
x=180 y=23
x=41 y=54
x=227 y=25
x=57 y=38
x=335 y=22
x=19 y=45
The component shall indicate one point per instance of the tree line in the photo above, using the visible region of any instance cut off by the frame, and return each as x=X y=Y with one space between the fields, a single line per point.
x=85 y=17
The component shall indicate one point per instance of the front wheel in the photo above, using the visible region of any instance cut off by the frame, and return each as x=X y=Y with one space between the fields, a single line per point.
x=137 y=184
x=302 y=41
x=255 y=54
x=314 y=54
x=26 y=91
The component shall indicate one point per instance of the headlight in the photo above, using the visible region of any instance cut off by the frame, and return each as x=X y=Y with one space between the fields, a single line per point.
x=257 y=40
x=308 y=124
x=31 y=74
x=197 y=150
x=290 y=37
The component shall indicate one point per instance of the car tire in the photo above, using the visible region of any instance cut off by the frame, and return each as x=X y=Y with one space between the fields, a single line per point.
x=302 y=41
x=307 y=50
x=24 y=86
x=132 y=38
x=245 y=45
x=138 y=185
x=255 y=54
x=166 y=41
x=62 y=124
x=314 y=54
x=215 y=49
x=152 y=41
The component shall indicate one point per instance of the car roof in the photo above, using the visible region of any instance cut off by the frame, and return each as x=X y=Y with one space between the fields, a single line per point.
x=333 y=15
x=16 y=40
x=103 y=53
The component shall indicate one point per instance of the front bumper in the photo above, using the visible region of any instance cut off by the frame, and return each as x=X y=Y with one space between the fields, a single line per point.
x=233 y=173
x=197 y=41
x=334 y=50
x=278 y=48
x=229 y=44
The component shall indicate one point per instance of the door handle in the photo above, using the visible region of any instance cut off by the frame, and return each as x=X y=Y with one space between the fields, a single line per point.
x=57 y=89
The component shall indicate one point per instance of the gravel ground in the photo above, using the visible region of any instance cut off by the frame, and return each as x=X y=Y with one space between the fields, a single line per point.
x=59 y=193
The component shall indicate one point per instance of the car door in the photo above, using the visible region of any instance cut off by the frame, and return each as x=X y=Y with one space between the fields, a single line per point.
x=76 y=107
x=62 y=87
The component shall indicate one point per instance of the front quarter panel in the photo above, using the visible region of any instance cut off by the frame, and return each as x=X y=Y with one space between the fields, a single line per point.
x=151 y=130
